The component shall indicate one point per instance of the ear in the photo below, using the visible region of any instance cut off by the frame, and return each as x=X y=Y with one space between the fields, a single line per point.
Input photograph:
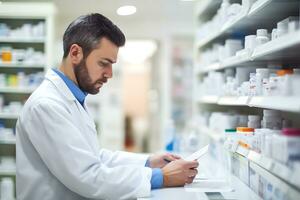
x=75 y=54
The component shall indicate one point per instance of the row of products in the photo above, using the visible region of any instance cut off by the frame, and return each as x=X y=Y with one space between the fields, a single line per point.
x=6 y=134
x=227 y=12
x=271 y=135
x=7 y=191
x=27 y=31
x=10 y=107
x=24 y=56
x=252 y=81
x=236 y=48
x=21 y=80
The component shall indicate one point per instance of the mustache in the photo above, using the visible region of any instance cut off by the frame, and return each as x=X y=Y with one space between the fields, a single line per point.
x=103 y=80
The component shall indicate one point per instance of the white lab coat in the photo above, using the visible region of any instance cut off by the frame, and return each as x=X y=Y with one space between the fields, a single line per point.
x=58 y=156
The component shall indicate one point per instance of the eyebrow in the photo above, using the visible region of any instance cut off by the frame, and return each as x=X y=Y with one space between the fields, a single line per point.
x=109 y=60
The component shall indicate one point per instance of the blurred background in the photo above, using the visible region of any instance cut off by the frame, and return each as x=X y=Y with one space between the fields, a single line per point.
x=150 y=78
x=192 y=72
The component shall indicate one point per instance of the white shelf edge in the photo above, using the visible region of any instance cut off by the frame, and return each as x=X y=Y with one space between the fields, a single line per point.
x=203 y=5
x=290 y=104
x=258 y=5
x=9 y=115
x=209 y=99
x=7 y=172
x=276 y=181
x=18 y=90
x=272 y=166
x=21 y=65
x=22 y=40
x=11 y=141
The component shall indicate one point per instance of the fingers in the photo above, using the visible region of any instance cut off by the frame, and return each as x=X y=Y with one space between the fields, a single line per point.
x=191 y=164
x=171 y=157
x=190 y=180
x=192 y=172
x=175 y=156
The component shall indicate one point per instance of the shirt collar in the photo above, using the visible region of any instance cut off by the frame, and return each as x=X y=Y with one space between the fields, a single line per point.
x=77 y=92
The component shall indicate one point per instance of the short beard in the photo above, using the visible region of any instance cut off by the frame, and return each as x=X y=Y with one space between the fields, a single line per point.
x=83 y=79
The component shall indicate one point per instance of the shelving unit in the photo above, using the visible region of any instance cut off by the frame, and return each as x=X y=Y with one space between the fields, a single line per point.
x=248 y=19
x=256 y=15
x=27 y=13
x=281 y=49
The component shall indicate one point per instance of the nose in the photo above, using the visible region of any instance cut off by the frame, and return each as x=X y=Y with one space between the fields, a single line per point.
x=109 y=72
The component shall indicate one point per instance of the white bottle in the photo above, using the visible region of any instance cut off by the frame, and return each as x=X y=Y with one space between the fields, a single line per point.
x=262 y=36
x=261 y=73
x=250 y=42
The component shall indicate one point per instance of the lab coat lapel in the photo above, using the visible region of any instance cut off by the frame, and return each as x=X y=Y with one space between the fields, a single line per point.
x=84 y=116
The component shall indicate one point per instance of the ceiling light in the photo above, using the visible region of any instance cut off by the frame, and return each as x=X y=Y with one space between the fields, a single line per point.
x=138 y=51
x=126 y=10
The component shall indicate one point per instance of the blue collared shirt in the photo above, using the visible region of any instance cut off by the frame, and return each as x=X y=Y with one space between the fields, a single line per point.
x=77 y=92
x=156 y=178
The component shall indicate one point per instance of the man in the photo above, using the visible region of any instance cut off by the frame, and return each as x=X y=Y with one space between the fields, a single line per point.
x=58 y=157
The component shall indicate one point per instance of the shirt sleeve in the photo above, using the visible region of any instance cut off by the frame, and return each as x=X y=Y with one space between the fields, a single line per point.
x=156 y=178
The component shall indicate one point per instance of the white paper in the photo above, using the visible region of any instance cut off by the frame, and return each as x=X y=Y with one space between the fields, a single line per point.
x=198 y=154
x=208 y=186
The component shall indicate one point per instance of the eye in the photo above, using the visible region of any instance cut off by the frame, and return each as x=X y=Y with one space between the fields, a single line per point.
x=103 y=64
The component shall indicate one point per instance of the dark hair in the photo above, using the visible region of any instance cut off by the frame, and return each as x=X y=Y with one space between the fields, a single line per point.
x=87 y=30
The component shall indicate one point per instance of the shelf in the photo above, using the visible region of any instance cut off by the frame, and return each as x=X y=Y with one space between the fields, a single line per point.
x=290 y=104
x=271 y=166
x=209 y=99
x=17 y=90
x=207 y=8
x=10 y=141
x=7 y=172
x=21 y=65
x=267 y=163
x=283 y=48
x=259 y=15
x=8 y=116
x=234 y=101
x=21 y=40
x=211 y=67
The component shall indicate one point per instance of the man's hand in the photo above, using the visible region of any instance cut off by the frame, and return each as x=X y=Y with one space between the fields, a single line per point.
x=159 y=161
x=179 y=172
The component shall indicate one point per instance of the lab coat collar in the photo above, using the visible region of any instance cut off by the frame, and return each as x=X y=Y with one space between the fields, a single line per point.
x=60 y=84
x=77 y=92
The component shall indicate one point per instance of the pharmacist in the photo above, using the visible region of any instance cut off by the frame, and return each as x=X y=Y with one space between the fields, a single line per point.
x=58 y=156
